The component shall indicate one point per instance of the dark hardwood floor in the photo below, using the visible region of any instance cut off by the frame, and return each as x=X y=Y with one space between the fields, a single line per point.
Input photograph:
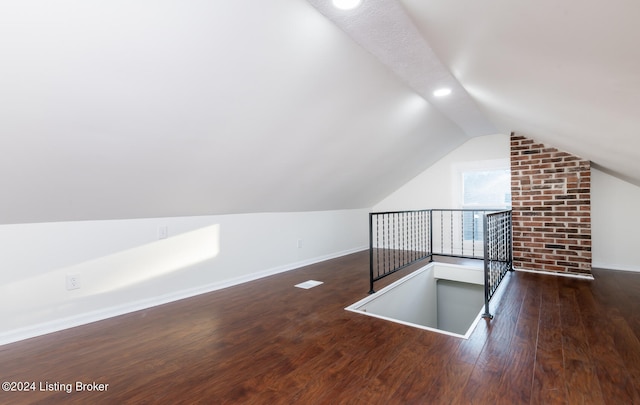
x=553 y=340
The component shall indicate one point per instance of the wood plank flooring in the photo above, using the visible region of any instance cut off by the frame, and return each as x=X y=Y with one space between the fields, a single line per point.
x=554 y=340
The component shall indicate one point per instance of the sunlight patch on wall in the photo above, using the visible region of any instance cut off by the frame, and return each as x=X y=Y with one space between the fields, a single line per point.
x=150 y=261
x=112 y=272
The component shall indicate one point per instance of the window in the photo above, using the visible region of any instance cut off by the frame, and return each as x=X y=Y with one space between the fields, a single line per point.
x=486 y=188
x=483 y=188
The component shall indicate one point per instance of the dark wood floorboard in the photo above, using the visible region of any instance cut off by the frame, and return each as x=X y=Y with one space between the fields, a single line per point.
x=616 y=383
x=581 y=381
x=549 y=384
x=554 y=340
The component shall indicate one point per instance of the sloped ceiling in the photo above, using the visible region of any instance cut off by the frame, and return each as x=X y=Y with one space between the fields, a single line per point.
x=564 y=72
x=150 y=108
x=141 y=108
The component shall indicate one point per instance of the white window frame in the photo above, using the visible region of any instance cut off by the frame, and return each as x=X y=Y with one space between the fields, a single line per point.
x=458 y=189
x=479 y=165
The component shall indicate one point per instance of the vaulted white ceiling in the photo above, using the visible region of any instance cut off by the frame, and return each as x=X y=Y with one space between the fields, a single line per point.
x=141 y=108
x=563 y=72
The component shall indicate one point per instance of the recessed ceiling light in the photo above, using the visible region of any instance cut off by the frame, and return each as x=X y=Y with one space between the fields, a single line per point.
x=442 y=92
x=346 y=4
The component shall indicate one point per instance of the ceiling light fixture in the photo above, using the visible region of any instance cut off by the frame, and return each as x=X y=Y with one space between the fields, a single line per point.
x=346 y=4
x=442 y=92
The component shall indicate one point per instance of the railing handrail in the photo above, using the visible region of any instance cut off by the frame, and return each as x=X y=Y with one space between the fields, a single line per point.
x=468 y=209
x=493 y=210
x=395 y=212
x=498 y=212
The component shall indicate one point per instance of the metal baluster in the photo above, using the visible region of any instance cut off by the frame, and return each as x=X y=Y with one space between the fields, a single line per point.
x=431 y=233
x=408 y=233
x=388 y=241
x=394 y=239
x=462 y=233
x=418 y=236
x=371 y=252
x=473 y=233
x=404 y=238
x=412 y=236
x=441 y=231
x=423 y=233
x=377 y=245
x=414 y=256
x=451 y=231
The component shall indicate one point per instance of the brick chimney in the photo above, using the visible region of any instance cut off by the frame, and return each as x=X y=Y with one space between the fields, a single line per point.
x=551 y=199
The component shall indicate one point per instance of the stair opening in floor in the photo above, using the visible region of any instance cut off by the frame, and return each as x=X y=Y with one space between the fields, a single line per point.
x=441 y=297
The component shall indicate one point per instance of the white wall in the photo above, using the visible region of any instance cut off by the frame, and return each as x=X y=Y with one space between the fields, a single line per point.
x=615 y=222
x=412 y=300
x=458 y=305
x=123 y=266
x=437 y=187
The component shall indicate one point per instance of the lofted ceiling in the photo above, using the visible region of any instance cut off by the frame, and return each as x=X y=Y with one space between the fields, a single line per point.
x=563 y=72
x=141 y=108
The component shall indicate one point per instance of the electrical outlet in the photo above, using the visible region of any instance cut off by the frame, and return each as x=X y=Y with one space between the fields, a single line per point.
x=73 y=282
x=299 y=243
x=163 y=232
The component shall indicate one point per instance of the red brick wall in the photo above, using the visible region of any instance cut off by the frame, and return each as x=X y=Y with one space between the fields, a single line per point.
x=551 y=199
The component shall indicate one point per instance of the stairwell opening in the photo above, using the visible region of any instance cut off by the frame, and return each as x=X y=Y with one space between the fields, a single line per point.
x=440 y=297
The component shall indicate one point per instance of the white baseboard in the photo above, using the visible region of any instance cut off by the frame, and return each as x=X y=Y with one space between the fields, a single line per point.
x=556 y=273
x=621 y=267
x=110 y=312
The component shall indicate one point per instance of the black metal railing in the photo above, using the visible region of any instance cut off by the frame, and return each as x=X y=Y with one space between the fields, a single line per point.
x=498 y=258
x=459 y=232
x=396 y=240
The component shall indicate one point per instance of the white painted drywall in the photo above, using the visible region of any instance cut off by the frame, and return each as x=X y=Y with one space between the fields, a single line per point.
x=436 y=187
x=422 y=299
x=615 y=222
x=123 y=266
x=459 y=304
x=561 y=72
x=140 y=109
x=413 y=300
x=467 y=274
